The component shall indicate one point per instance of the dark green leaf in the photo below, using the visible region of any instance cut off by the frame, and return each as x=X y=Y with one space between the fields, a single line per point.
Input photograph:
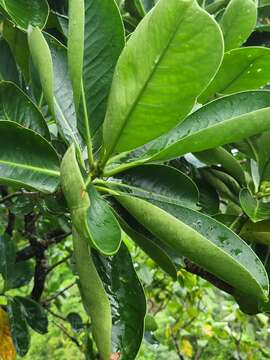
x=16 y=106
x=8 y=68
x=159 y=182
x=34 y=313
x=127 y=299
x=24 y=13
x=27 y=159
x=104 y=230
x=19 y=329
x=75 y=321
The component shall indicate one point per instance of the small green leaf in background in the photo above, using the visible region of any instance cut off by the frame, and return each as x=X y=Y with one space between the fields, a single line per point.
x=241 y=69
x=238 y=22
x=256 y=209
x=14 y=274
x=18 y=325
x=34 y=313
x=127 y=299
x=75 y=321
x=167 y=63
x=24 y=13
x=8 y=67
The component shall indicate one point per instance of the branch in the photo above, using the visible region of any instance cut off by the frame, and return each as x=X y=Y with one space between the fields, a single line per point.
x=65 y=331
x=50 y=269
x=195 y=269
x=55 y=296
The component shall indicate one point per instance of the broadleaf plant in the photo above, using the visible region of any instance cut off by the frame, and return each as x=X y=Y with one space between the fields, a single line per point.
x=124 y=122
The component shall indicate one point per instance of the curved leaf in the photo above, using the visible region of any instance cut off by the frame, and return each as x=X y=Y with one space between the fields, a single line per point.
x=127 y=299
x=50 y=60
x=8 y=67
x=18 y=107
x=158 y=182
x=27 y=159
x=103 y=42
x=25 y=13
x=242 y=69
x=34 y=313
x=75 y=46
x=222 y=121
x=238 y=22
x=168 y=50
x=206 y=242
x=19 y=329
x=256 y=209
x=220 y=156
x=104 y=230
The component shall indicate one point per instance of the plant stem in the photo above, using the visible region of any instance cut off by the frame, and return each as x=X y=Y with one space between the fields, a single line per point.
x=88 y=132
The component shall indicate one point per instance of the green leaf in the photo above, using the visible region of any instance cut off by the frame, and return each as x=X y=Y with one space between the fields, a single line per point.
x=256 y=209
x=128 y=302
x=93 y=294
x=76 y=46
x=241 y=69
x=168 y=50
x=14 y=274
x=150 y=247
x=220 y=122
x=27 y=159
x=17 y=106
x=50 y=60
x=238 y=22
x=103 y=228
x=42 y=60
x=158 y=182
x=19 y=329
x=220 y=156
x=75 y=321
x=206 y=242
x=25 y=13
x=34 y=313
x=103 y=43
x=256 y=232
x=8 y=67
x=17 y=41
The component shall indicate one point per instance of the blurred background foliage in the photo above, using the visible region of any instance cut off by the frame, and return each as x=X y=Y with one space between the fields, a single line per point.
x=188 y=319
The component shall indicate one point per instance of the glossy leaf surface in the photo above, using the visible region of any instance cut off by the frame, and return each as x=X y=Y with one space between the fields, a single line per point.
x=25 y=13
x=8 y=68
x=238 y=22
x=104 y=230
x=242 y=69
x=256 y=209
x=103 y=43
x=205 y=241
x=34 y=313
x=18 y=325
x=167 y=62
x=27 y=159
x=128 y=302
x=18 y=107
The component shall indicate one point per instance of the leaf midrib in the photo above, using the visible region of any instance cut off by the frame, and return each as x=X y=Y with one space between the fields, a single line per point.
x=151 y=74
x=32 y=168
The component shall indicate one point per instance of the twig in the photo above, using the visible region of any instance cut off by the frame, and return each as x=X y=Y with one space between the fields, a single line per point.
x=65 y=331
x=16 y=194
x=56 y=315
x=50 y=269
x=55 y=296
